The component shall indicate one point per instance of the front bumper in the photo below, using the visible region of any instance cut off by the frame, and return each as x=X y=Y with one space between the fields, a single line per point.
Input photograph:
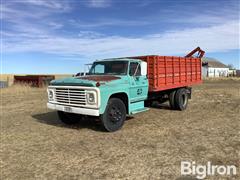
x=76 y=110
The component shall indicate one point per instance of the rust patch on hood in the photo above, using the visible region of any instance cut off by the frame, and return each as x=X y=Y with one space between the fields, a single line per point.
x=100 y=78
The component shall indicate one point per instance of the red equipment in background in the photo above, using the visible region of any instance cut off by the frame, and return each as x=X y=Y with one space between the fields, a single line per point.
x=34 y=80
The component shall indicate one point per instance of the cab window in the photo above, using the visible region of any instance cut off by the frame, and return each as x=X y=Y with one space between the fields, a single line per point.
x=109 y=68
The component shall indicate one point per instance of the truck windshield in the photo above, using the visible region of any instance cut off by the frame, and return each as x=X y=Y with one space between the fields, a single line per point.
x=109 y=68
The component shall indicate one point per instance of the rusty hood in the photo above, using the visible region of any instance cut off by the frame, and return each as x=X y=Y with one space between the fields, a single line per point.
x=90 y=80
x=100 y=78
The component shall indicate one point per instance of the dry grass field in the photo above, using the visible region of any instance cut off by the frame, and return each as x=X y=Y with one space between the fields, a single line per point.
x=151 y=145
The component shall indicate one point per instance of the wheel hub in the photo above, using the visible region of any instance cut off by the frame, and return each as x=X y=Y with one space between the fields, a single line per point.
x=115 y=114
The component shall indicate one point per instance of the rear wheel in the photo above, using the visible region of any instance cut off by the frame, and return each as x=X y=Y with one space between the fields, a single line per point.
x=181 y=99
x=114 y=115
x=69 y=118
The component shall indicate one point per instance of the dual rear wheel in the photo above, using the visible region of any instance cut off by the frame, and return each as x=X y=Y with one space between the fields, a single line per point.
x=178 y=99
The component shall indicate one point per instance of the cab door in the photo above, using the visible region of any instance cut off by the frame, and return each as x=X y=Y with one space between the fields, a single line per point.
x=138 y=81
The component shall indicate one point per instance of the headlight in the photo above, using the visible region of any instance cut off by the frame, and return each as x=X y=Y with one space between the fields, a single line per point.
x=91 y=97
x=50 y=94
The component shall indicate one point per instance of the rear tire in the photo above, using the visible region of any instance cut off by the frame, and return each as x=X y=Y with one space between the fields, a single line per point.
x=181 y=99
x=68 y=118
x=114 y=115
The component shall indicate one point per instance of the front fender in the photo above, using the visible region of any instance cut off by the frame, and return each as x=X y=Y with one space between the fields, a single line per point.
x=106 y=92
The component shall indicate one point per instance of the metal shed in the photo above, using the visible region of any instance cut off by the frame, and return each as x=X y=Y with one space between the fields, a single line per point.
x=214 y=68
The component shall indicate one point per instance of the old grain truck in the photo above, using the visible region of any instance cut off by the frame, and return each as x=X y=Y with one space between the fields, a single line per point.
x=117 y=87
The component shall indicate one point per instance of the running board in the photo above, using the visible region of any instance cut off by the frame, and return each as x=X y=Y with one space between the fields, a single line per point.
x=139 y=110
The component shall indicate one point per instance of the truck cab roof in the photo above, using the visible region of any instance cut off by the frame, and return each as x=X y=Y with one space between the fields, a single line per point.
x=119 y=59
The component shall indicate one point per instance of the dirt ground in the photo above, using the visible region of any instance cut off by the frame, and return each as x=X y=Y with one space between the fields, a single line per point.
x=151 y=145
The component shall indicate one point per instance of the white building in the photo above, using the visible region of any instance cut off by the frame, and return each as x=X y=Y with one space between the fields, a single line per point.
x=214 y=68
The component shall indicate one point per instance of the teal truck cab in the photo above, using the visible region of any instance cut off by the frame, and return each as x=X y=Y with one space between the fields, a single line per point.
x=112 y=89
x=115 y=88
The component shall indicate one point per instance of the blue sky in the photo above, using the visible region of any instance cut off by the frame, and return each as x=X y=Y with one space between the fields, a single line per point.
x=60 y=36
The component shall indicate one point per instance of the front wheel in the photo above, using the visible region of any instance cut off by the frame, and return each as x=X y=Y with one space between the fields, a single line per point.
x=114 y=115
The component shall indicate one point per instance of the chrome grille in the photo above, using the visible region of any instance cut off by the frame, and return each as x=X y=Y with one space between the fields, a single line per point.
x=74 y=97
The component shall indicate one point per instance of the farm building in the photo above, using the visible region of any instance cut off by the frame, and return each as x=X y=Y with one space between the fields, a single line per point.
x=214 y=68
x=232 y=72
x=34 y=80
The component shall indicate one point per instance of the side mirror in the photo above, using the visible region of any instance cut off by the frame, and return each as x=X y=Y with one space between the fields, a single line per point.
x=143 y=68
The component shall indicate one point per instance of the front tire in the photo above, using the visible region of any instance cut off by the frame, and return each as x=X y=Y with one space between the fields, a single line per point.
x=68 y=118
x=114 y=115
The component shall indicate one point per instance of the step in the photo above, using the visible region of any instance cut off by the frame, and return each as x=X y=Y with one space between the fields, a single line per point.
x=139 y=110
